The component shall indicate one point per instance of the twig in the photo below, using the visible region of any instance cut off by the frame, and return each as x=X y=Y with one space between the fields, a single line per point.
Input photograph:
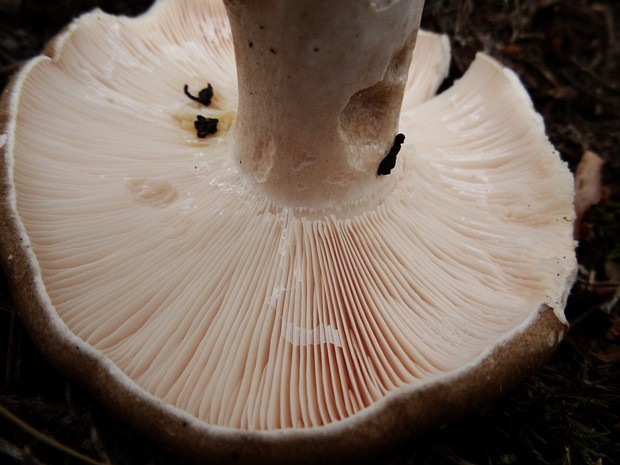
x=51 y=442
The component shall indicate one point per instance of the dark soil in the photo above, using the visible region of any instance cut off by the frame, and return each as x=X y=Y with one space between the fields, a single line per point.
x=567 y=52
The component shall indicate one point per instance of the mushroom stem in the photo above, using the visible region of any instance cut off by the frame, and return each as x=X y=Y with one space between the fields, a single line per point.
x=320 y=89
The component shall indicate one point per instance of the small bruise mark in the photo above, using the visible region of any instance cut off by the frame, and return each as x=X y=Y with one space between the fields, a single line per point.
x=186 y=120
x=151 y=192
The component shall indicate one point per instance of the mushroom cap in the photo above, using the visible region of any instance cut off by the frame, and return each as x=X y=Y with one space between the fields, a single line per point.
x=234 y=328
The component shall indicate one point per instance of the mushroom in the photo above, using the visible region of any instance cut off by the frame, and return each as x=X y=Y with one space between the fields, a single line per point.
x=324 y=270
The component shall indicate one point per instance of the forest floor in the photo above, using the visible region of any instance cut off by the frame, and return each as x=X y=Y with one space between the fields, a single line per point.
x=567 y=53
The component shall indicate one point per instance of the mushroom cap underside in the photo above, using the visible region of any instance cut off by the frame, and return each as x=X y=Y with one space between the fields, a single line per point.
x=145 y=265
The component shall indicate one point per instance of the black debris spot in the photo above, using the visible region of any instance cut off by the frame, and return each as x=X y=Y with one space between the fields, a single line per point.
x=204 y=96
x=389 y=162
x=205 y=126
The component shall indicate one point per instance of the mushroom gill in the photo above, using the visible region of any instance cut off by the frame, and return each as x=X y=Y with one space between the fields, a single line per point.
x=151 y=252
